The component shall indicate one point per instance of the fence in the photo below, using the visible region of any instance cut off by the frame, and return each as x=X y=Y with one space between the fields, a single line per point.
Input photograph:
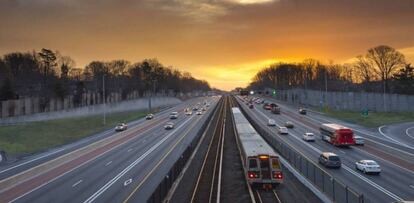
x=355 y=101
x=166 y=183
x=35 y=105
x=331 y=187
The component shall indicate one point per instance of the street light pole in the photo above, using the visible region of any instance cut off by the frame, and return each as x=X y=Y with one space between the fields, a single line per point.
x=104 y=99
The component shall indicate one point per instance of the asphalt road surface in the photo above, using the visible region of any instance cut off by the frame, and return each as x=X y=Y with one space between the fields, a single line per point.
x=396 y=181
x=126 y=168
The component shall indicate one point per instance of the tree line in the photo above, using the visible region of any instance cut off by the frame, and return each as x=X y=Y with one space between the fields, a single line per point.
x=381 y=69
x=49 y=74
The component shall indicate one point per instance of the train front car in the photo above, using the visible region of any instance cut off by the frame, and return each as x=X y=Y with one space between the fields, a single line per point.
x=260 y=162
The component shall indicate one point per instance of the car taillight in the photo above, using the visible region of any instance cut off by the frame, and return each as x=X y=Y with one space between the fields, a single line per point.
x=277 y=175
x=251 y=174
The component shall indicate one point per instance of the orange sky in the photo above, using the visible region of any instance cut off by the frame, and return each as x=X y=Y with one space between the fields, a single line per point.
x=222 y=41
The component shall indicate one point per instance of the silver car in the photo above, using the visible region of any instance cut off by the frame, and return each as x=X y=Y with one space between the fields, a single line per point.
x=359 y=140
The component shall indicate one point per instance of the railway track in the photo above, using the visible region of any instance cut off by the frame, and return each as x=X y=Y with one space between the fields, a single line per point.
x=207 y=188
x=257 y=195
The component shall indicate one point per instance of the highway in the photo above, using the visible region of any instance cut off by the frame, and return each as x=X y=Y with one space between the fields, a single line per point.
x=125 y=168
x=395 y=183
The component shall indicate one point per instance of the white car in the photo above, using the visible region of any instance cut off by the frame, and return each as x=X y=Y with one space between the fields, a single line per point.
x=174 y=115
x=199 y=112
x=121 y=127
x=188 y=113
x=271 y=122
x=359 y=140
x=368 y=166
x=169 y=126
x=283 y=130
x=309 y=137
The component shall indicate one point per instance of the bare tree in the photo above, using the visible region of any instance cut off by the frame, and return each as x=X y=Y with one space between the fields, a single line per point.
x=387 y=60
x=364 y=69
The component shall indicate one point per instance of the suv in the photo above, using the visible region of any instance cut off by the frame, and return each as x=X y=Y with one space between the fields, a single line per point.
x=329 y=159
x=174 y=115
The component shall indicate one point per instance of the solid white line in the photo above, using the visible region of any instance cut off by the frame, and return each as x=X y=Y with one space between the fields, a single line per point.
x=390 y=194
x=385 y=135
x=130 y=149
x=363 y=132
x=181 y=175
x=221 y=160
x=133 y=164
x=408 y=134
x=77 y=183
x=107 y=164
x=32 y=160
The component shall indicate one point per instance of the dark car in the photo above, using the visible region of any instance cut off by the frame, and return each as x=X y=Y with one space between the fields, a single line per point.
x=329 y=159
x=302 y=111
x=251 y=106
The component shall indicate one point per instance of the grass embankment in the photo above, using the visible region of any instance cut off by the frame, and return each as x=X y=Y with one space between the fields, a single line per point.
x=38 y=136
x=373 y=120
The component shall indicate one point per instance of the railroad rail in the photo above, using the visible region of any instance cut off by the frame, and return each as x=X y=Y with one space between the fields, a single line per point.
x=207 y=188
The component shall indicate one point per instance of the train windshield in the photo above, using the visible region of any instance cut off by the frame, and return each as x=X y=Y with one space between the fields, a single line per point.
x=252 y=163
x=275 y=163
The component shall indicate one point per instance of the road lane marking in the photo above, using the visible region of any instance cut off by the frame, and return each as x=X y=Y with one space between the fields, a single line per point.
x=385 y=135
x=27 y=162
x=77 y=183
x=70 y=145
x=408 y=134
x=385 y=191
x=130 y=149
x=133 y=164
x=357 y=130
x=162 y=159
x=107 y=164
x=342 y=151
x=127 y=182
x=411 y=186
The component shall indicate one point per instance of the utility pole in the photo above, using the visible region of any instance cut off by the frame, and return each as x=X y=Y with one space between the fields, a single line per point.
x=326 y=85
x=383 y=95
x=104 y=99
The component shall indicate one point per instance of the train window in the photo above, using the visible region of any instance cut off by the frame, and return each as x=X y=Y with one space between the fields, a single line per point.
x=275 y=163
x=252 y=163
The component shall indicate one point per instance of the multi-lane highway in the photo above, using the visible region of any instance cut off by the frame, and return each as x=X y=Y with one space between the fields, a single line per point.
x=396 y=181
x=107 y=167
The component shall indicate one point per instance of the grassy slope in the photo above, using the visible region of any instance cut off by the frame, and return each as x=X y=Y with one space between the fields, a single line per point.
x=373 y=119
x=38 y=136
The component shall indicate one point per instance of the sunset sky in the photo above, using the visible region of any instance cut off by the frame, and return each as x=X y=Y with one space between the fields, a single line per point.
x=222 y=41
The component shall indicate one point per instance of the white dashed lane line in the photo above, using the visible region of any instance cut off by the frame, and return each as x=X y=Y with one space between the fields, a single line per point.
x=77 y=183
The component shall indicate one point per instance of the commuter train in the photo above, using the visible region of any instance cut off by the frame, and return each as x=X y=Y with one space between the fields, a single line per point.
x=261 y=163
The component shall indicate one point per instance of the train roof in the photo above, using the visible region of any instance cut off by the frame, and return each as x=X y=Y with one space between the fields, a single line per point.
x=251 y=142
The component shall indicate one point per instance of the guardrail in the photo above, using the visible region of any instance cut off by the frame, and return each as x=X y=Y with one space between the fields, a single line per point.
x=329 y=185
x=166 y=183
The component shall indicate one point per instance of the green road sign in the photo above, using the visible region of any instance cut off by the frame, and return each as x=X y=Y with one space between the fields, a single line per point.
x=364 y=112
